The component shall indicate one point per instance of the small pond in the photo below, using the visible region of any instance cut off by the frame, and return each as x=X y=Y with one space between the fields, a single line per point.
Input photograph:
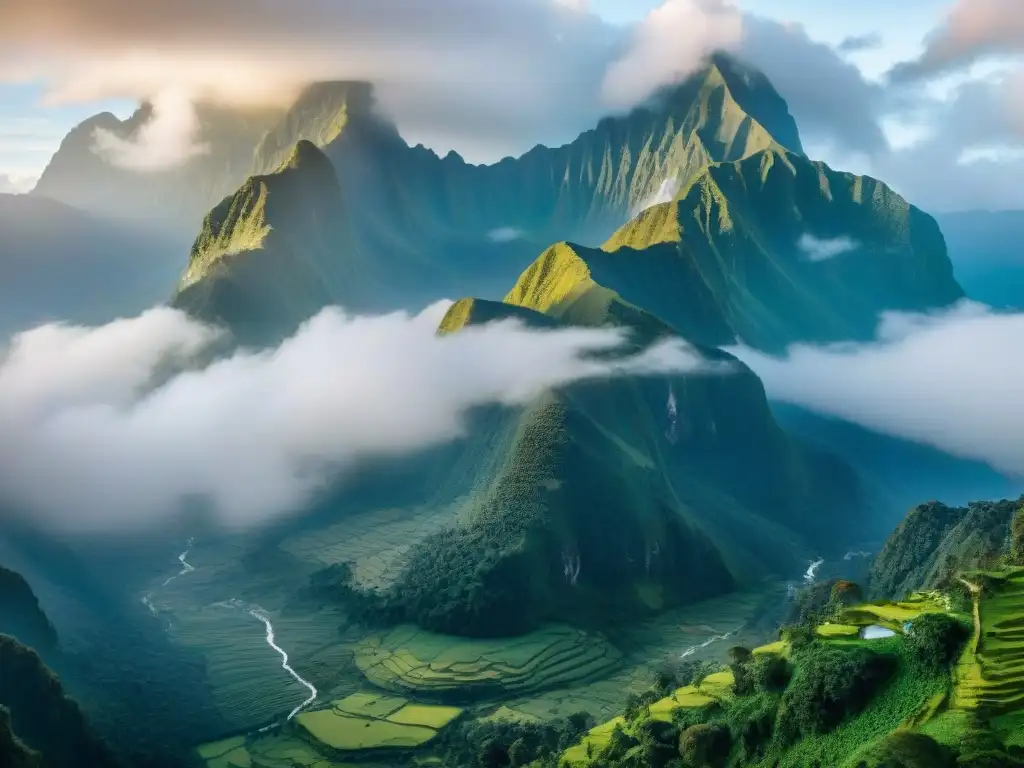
x=876 y=632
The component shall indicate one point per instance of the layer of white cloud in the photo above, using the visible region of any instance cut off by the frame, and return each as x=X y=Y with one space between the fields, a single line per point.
x=952 y=380
x=669 y=44
x=98 y=434
x=168 y=138
x=15 y=185
x=505 y=234
x=822 y=249
x=972 y=30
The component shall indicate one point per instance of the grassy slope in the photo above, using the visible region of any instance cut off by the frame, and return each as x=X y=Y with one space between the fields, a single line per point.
x=261 y=279
x=991 y=674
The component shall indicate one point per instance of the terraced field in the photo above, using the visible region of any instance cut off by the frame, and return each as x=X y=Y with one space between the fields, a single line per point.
x=408 y=659
x=363 y=724
x=715 y=687
x=894 y=615
x=990 y=676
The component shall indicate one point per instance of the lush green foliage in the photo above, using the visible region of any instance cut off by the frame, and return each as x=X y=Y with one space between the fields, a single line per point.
x=830 y=684
x=1017 y=537
x=503 y=743
x=905 y=749
x=705 y=746
x=935 y=639
x=935 y=542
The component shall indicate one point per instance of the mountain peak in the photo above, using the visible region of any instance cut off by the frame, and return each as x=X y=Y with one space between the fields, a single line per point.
x=306 y=156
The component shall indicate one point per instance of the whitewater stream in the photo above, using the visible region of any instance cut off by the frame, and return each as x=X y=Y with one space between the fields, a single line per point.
x=257 y=613
x=715 y=639
x=186 y=567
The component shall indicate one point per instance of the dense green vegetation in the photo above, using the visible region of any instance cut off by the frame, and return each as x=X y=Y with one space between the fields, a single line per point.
x=507 y=743
x=935 y=542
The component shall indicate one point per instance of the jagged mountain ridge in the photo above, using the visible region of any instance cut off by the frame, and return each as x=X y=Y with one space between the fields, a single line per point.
x=791 y=250
x=427 y=226
x=727 y=235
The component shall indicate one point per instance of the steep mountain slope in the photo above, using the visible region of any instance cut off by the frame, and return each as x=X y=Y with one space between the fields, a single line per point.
x=899 y=471
x=791 y=250
x=33 y=705
x=61 y=263
x=613 y=497
x=934 y=542
x=256 y=277
x=171 y=199
x=40 y=710
x=20 y=614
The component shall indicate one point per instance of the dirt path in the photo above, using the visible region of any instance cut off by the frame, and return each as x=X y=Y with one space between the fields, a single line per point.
x=969 y=657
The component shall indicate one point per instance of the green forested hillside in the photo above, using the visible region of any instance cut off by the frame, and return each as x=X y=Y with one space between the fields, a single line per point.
x=935 y=542
x=617 y=497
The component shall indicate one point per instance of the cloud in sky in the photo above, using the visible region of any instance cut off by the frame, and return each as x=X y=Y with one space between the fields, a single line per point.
x=505 y=234
x=98 y=434
x=170 y=137
x=487 y=79
x=822 y=249
x=857 y=43
x=15 y=185
x=951 y=380
x=670 y=43
x=972 y=30
x=494 y=79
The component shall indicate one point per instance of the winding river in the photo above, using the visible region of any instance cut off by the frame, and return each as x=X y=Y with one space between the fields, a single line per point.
x=715 y=639
x=257 y=613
